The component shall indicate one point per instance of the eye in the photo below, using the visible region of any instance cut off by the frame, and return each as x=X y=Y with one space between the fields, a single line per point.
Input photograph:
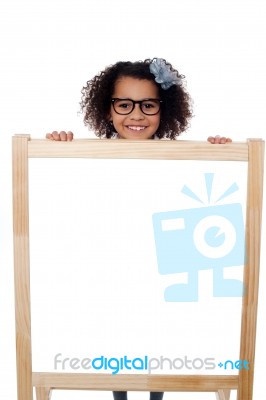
x=147 y=105
x=123 y=104
x=150 y=106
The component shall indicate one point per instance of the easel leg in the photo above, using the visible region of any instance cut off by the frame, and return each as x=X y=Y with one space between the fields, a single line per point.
x=223 y=394
x=43 y=393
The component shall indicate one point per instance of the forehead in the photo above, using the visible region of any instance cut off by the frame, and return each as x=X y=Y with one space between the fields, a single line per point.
x=135 y=89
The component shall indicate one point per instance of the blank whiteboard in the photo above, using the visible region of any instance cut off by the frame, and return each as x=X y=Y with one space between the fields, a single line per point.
x=94 y=264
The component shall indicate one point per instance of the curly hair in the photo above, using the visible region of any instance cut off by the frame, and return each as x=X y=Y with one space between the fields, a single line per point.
x=97 y=94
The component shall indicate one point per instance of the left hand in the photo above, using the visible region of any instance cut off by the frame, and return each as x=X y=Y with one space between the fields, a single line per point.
x=219 y=139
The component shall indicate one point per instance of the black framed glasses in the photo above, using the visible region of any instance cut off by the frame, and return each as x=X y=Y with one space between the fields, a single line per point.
x=126 y=106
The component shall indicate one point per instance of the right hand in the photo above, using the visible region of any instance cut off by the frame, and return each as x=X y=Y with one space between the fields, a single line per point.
x=60 y=136
x=219 y=139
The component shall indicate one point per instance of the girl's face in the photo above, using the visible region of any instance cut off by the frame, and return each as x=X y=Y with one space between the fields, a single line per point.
x=135 y=125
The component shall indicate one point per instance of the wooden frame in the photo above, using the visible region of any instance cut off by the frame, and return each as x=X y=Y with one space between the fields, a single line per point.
x=24 y=148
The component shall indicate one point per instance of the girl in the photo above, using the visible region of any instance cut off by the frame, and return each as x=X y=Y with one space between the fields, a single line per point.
x=137 y=101
x=140 y=100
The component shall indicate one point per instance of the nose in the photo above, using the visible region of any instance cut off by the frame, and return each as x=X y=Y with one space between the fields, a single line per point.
x=137 y=113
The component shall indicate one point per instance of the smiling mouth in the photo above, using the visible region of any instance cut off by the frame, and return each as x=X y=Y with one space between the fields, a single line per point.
x=136 y=128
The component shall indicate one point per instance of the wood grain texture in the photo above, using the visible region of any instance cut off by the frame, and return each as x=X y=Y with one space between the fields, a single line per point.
x=133 y=149
x=43 y=393
x=252 y=266
x=136 y=382
x=22 y=267
x=223 y=395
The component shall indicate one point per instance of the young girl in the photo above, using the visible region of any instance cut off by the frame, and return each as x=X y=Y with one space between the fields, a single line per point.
x=140 y=100
x=136 y=100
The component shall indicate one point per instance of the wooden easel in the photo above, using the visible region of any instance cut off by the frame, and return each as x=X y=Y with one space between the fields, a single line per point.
x=24 y=148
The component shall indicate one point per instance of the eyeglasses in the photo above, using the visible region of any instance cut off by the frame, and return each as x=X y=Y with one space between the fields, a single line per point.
x=126 y=106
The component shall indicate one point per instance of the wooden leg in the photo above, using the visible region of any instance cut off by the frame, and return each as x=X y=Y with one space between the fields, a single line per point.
x=43 y=393
x=223 y=394
x=22 y=267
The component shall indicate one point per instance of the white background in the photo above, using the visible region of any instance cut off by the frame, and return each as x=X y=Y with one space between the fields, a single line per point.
x=49 y=49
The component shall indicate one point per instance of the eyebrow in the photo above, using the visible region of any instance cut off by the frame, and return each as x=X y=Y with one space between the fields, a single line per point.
x=128 y=98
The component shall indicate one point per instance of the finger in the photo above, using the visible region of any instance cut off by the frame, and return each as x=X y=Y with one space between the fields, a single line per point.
x=222 y=140
x=63 y=136
x=211 y=139
x=217 y=139
x=49 y=136
x=70 y=136
x=56 y=135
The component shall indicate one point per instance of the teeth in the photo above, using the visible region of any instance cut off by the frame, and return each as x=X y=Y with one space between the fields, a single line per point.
x=137 y=128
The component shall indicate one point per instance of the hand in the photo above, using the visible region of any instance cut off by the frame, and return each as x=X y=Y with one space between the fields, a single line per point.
x=219 y=139
x=60 y=136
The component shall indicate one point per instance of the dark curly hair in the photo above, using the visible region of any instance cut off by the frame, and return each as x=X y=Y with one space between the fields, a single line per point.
x=97 y=94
